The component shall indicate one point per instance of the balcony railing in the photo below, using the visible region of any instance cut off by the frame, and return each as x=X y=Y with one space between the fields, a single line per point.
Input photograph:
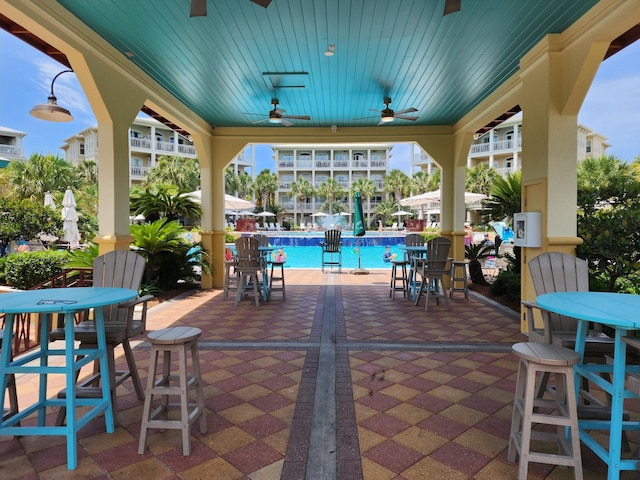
x=138 y=171
x=495 y=147
x=285 y=164
x=15 y=150
x=140 y=143
x=164 y=146
x=188 y=149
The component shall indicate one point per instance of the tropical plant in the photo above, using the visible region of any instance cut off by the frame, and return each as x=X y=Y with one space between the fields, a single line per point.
x=366 y=187
x=609 y=220
x=332 y=191
x=385 y=210
x=476 y=252
x=182 y=172
x=163 y=201
x=397 y=183
x=265 y=185
x=422 y=182
x=170 y=257
x=26 y=219
x=480 y=179
x=504 y=201
x=39 y=175
x=244 y=184
x=27 y=269
x=230 y=181
x=301 y=190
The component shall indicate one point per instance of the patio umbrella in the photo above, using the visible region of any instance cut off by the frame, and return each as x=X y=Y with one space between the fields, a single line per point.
x=230 y=202
x=319 y=214
x=434 y=197
x=70 y=219
x=358 y=228
x=48 y=201
x=401 y=213
x=264 y=216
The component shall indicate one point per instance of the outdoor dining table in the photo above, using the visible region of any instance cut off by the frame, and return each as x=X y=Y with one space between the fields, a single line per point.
x=48 y=302
x=622 y=313
x=415 y=253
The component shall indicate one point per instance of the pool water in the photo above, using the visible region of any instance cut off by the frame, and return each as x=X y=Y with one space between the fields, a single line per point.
x=311 y=257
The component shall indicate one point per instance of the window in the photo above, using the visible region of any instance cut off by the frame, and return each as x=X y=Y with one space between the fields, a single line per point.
x=588 y=146
x=81 y=148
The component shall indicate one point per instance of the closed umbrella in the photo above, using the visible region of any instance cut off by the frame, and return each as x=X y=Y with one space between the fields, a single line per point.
x=48 y=201
x=70 y=219
x=358 y=229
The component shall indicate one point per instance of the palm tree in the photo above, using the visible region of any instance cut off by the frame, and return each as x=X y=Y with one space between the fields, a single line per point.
x=397 y=183
x=386 y=209
x=230 y=181
x=480 y=178
x=331 y=190
x=182 y=172
x=163 y=201
x=422 y=182
x=476 y=252
x=301 y=190
x=245 y=183
x=41 y=174
x=265 y=186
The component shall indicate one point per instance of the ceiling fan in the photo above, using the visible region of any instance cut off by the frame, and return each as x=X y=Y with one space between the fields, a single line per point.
x=451 y=6
x=388 y=115
x=199 y=7
x=277 y=115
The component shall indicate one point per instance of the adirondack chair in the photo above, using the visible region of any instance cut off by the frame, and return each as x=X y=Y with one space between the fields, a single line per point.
x=332 y=246
x=561 y=272
x=432 y=270
x=123 y=269
x=249 y=266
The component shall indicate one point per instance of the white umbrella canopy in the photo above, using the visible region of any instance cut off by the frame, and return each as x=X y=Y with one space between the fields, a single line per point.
x=319 y=214
x=230 y=202
x=401 y=213
x=435 y=196
x=48 y=201
x=70 y=219
x=265 y=214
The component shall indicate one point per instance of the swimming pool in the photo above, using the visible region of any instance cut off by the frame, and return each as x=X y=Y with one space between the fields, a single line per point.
x=311 y=256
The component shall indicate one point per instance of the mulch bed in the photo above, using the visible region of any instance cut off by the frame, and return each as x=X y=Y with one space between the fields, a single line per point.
x=485 y=291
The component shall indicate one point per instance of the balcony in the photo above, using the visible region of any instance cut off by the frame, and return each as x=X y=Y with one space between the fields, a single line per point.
x=341 y=163
x=164 y=146
x=378 y=164
x=138 y=171
x=285 y=164
x=323 y=163
x=503 y=146
x=186 y=149
x=13 y=150
x=140 y=143
x=285 y=185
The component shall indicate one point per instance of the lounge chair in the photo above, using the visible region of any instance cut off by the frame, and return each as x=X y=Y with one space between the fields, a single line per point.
x=332 y=246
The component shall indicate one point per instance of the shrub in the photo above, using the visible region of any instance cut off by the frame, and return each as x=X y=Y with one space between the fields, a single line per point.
x=507 y=285
x=229 y=238
x=3 y=263
x=27 y=269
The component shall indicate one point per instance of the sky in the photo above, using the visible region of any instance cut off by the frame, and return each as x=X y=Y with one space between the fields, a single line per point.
x=611 y=108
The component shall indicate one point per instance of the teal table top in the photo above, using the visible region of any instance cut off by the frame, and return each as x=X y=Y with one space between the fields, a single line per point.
x=613 y=309
x=61 y=300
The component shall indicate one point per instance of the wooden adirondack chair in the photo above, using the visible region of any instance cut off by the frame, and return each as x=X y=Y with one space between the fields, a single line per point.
x=432 y=270
x=561 y=272
x=249 y=264
x=122 y=269
x=332 y=246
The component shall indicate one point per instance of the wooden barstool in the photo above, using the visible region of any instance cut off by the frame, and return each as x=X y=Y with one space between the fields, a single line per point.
x=173 y=340
x=272 y=278
x=560 y=411
x=459 y=276
x=393 y=287
x=230 y=278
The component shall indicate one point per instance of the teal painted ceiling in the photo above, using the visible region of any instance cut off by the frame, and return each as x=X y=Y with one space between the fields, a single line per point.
x=229 y=65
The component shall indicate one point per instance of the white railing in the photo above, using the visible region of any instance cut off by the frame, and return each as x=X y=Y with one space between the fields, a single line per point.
x=341 y=163
x=285 y=164
x=188 y=149
x=378 y=164
x=140 y=143
x=138 y=171
x=164 y=146
x=495 y=147
x=14 y=150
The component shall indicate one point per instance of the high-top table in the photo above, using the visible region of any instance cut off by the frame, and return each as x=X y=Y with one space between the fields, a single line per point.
x=622 y=313
x=67 y=301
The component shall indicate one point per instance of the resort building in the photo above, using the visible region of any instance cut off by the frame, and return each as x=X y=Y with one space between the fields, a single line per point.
x=11 y=146
x=317 y=163
x=501 y=148
x=148 y=141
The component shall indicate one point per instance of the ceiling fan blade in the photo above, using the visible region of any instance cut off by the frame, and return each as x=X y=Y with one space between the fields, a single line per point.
x=286 y=123
x=262 y=3
x=406 y=110
x=451 y=6
x=260 y=121
x=297 y=117
x=374 y=110
x=279 y=111
x=404 y=117
x=198 y=8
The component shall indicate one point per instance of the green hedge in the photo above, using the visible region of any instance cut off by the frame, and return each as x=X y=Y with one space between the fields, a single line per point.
x=27 y=269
